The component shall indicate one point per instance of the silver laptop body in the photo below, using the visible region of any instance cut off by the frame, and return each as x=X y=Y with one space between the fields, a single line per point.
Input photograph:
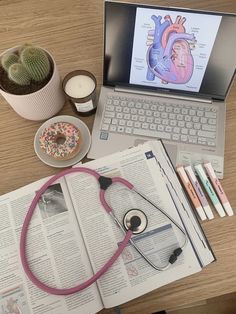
x=191 y=126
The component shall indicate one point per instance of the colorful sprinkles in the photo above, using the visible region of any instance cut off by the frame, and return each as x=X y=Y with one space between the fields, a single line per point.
x=68 y=133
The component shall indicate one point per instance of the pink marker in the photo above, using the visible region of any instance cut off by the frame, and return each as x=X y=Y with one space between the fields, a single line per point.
x=218 y=188
x=191 y=192
x=197 y=187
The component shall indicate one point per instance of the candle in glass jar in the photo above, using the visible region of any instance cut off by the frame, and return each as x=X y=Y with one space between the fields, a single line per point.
x=79 y=86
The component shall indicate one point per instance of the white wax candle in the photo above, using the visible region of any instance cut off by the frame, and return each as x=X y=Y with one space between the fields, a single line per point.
x=79 y=86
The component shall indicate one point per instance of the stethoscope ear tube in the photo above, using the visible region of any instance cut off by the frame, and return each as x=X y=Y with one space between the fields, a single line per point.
x=24 y=232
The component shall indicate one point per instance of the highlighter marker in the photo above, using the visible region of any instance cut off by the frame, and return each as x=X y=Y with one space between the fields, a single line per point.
x=210 y=191
x=218 y=188
x=190 y=190
x=199 y=192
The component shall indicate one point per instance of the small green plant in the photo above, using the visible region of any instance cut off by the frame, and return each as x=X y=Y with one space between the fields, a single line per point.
x=28 y=64
x=35 y=62
x=26 y=45
x=18 y=74
x=8 y=59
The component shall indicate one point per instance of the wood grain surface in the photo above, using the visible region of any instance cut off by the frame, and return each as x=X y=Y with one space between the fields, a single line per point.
x=72 y=31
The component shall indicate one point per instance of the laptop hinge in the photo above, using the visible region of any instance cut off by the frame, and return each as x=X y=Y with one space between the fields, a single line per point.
x=149 y=93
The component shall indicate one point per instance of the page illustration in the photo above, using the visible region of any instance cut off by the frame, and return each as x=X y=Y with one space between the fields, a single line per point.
x=52 y=201
x=13 y=301
x=172 y=49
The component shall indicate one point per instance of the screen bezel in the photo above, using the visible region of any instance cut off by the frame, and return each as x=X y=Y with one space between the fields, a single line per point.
x=156 y=89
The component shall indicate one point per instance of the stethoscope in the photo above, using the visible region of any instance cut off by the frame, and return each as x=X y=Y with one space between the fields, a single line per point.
x=134 y=222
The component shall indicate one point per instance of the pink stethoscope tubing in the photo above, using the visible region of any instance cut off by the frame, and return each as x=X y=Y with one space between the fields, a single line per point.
x=108 y=209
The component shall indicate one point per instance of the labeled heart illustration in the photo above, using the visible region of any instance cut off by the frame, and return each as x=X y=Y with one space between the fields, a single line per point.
x=169 y=54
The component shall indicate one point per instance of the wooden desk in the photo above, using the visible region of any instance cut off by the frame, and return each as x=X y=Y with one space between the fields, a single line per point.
x=72 y=31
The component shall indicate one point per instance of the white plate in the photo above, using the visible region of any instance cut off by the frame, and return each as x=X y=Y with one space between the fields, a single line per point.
x=86 y=142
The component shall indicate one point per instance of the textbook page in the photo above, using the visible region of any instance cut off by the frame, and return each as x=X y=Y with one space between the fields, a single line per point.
x=56 y=254
x=131 y=276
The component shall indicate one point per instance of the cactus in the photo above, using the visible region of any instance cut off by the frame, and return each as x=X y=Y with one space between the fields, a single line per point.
x=28 y=64
x=26 y=45
x=18 y=74
x=36 y=62
x=8 y=59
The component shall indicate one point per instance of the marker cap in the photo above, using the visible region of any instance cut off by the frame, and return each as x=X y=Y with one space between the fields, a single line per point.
x=220 y=210
x=201 y=213
x=208 y=212
x=228 y=209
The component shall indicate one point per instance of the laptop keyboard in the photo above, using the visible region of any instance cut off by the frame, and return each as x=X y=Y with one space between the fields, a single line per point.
x=194 y=124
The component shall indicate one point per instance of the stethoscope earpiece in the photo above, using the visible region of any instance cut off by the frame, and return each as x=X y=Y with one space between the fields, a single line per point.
x=174 y=256
x=135 y=220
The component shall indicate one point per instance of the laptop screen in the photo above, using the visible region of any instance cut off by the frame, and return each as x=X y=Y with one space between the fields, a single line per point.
x=179 y=51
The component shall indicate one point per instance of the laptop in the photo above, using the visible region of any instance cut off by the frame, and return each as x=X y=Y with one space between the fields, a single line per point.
x=166 y=74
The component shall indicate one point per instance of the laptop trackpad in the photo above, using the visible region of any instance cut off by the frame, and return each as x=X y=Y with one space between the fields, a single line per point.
x=170 y=148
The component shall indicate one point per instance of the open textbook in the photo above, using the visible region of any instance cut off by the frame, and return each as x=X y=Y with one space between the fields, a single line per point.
x=71 y=237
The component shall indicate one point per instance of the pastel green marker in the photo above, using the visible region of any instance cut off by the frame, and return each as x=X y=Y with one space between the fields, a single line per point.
x=209 y=189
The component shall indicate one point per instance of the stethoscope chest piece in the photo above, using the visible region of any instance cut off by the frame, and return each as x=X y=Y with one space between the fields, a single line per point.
x=135 y=220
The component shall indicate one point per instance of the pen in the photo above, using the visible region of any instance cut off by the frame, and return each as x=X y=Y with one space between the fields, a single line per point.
x=218 y=188
x=199 y=192
x=190 y=190
x=209 y=189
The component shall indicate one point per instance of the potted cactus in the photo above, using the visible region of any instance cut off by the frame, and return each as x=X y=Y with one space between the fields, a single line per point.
x=30 y=82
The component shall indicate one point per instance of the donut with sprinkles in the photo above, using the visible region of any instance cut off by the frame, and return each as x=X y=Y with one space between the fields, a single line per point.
x=61 y=140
